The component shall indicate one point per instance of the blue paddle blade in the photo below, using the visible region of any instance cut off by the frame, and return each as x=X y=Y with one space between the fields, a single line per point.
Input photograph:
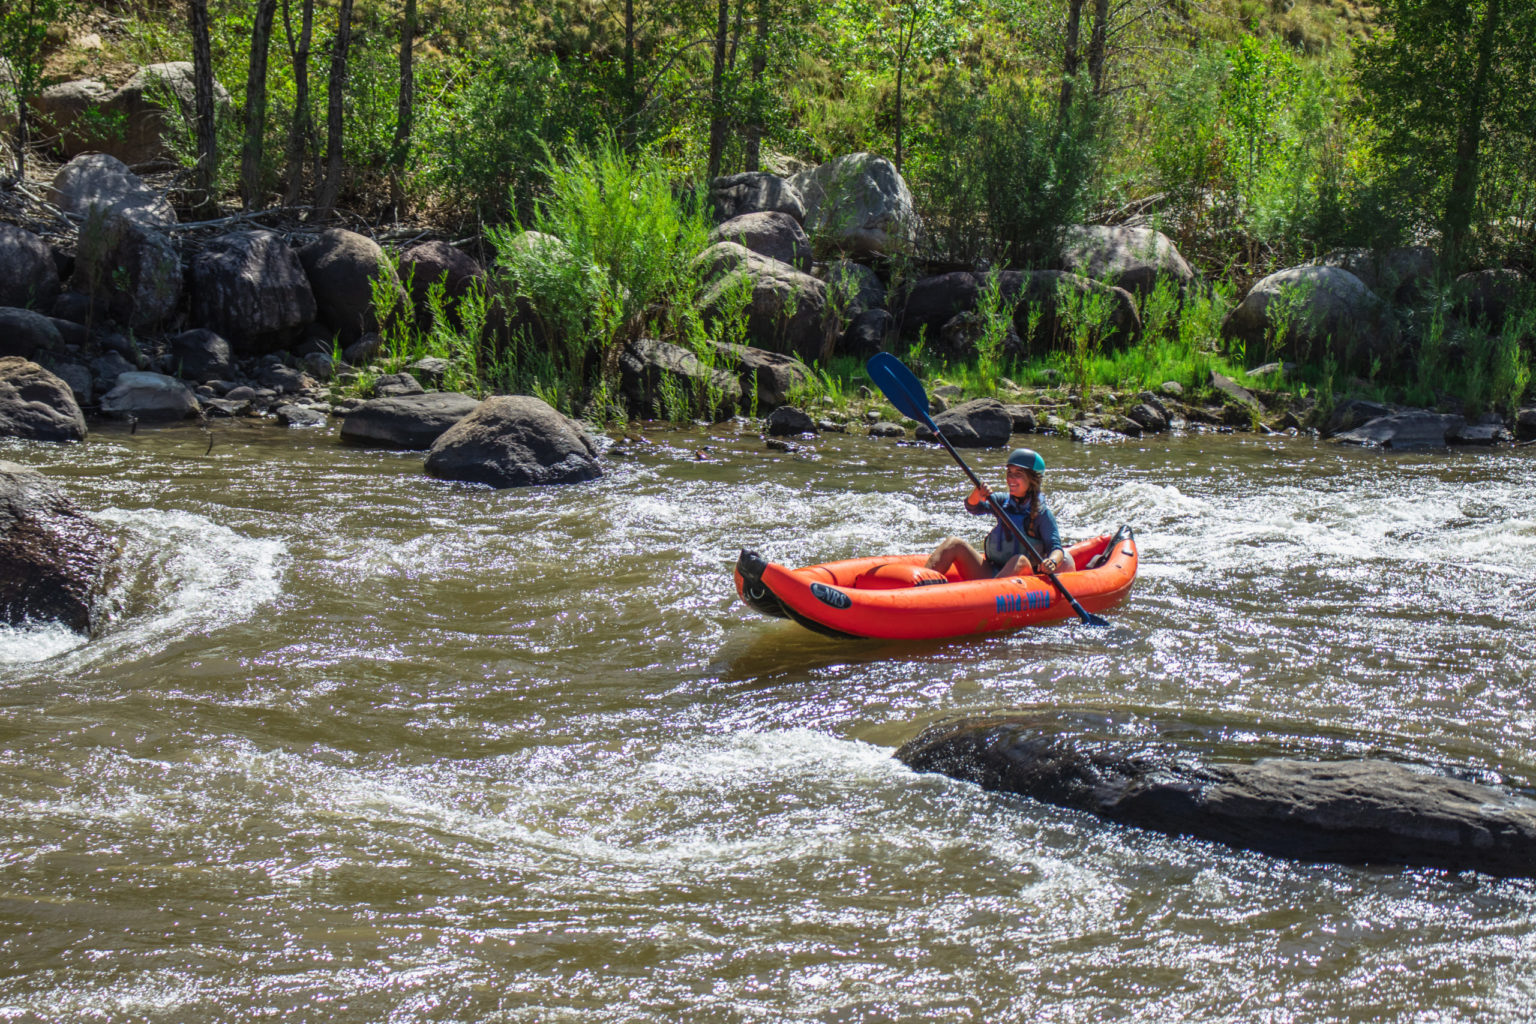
x=900 y=385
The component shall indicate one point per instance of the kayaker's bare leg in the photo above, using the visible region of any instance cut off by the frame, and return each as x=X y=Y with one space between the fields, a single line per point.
x=1018 y=565
x=958 y=553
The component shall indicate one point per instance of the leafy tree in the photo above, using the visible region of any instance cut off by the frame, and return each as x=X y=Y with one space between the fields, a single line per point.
x=1451 y=86
x=23 y=30
x=897 y=35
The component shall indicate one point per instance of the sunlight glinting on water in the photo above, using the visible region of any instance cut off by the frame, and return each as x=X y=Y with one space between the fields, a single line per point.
x=359 y=745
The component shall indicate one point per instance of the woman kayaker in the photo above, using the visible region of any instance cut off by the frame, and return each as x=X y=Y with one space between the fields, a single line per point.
x=1004 y=555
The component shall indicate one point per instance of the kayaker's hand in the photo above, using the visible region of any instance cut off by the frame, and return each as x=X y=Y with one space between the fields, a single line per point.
x=978 y=496
x=1049 y=562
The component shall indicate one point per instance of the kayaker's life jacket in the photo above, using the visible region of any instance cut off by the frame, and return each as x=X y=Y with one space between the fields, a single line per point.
x=1040 y=528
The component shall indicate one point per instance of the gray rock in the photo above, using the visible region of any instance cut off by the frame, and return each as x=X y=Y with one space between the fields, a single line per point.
x=514 y=441
x=285 y=380
x=775 y=235
x=250 y=288
x=364 y=350
x=1317 y=312
x=786 y=420
x=1159 y=775
x=406 y=421
x=129 y=270
x=662 y=380
x=53 y=558
x=300 y=416
x=318 y=365
x=1399 y=275
x=1480 y=435
x=1525 y=424
x=149 y=396
x=109 y=366
x=853 y=288
x=1234 y=393
x=29 y=279
x=885 y=428
x=130 y=123
x=227 y=407
x=1172 y=388
x=1133 y=258
x=1486 y=296
x=1148 y=418
x=785 y=309
x=858 y=205
x=36 y=405
x=1351 y=413
x=202 y=355
x=1415 y=428
x=342 y=266
x=979 y=423
x=74 y=307
x=75 y=336
x=867 y=334
x=430 y=370
x=77 y=376
x=1023 y=418
x=429 y=263
x=397 y=385
x=1041 y=300
x=102 y=184
x=772 y=375
x=755 y=192
x=27 y=334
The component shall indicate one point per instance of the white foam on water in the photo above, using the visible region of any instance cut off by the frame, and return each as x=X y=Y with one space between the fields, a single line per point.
x=178 y=574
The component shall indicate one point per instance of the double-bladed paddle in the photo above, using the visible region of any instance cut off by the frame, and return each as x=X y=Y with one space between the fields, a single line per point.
x=906 y=393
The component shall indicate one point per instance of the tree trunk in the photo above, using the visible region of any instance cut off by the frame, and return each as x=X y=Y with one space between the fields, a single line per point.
x=1462 y=200
x=325 y=201
x=755 y=130
x=302 y=128
x=1097 y=44
x=631 y=86
x=206 y=203
x=1070 y=59
x=717 y=92
x=403 y=115
x=256 y=105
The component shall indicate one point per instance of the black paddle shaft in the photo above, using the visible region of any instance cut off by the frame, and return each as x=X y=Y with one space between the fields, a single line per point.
x=906 y=393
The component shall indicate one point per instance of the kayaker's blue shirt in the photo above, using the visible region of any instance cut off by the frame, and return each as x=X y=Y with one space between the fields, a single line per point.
x=1001 y=544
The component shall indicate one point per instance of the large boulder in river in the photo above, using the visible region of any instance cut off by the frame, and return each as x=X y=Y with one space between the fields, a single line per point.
x=26 y=334
x=142 y=395
x=1411 y=428
x=858 y=205
x=342 y=266
x=754 y=192
x=53 y=558
x=37 y=405
x=660 y=380
x=1316 y=313
x=775 y=235
x=785 y=310
x=406 y=421
x=1134 y=258
x=1325 y=809
x=249 y=287
x=979 y=423
x=514 y=441
x=29 y=278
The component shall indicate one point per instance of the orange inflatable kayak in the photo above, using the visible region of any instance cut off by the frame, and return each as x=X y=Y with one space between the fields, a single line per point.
x=896 y=597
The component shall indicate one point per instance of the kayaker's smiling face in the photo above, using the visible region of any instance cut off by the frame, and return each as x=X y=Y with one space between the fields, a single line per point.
x=1018 y=482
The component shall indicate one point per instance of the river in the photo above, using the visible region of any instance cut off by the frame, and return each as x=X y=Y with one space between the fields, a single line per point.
x=357 y=745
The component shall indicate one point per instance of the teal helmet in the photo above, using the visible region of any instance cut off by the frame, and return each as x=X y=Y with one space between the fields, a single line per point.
x=1027 y=458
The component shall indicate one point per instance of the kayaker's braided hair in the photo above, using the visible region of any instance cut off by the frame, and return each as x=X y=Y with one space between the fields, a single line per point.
x=1034 y=493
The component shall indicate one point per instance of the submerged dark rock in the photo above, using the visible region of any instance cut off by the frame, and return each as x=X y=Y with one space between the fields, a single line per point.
x=1156 y=775
x=53 y=558
x=514 y=441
